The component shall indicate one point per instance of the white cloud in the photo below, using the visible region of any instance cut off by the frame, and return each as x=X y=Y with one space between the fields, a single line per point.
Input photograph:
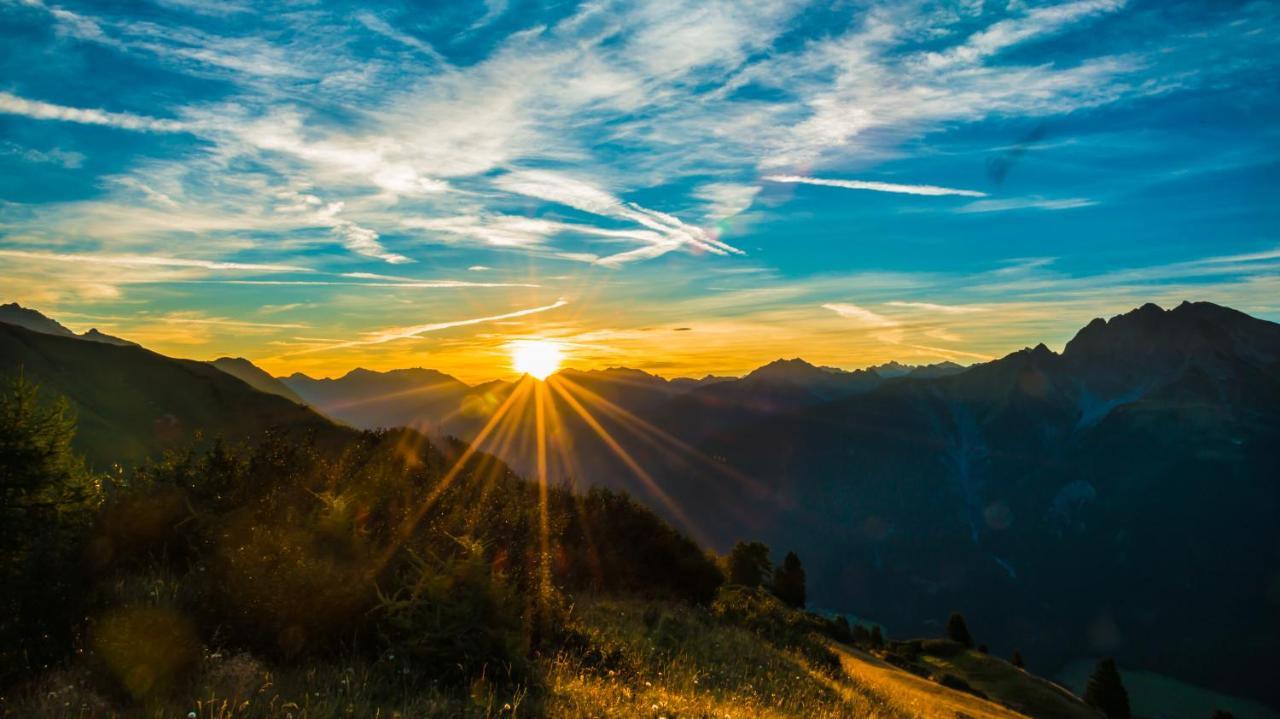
x=860 y=315
x=665 y=232
x=116 y=260
x=35 y=109
x=382 y=27
x=726 y=199
x=1025 y=203
x=931 y=190
x=364 y=241
x=941 y=309
x=401 y=333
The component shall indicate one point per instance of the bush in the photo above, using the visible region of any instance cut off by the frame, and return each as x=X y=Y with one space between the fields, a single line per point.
x=455 y=618
x=766 y=616
x=749 y=564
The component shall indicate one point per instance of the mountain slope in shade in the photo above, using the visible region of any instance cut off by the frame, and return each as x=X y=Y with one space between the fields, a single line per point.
x=133 y=403
x=1059 y=501
x=15 y=314
x=423 y=399
x=255 y=377
x=94 y=335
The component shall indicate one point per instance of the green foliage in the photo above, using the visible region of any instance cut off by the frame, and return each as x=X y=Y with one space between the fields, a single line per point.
x=1106 y=691
x=611 y=543
x=767 y=616
x=958 y=631
x=788 y=582
x=749 y=564
x=454 y=618
x=46 y=500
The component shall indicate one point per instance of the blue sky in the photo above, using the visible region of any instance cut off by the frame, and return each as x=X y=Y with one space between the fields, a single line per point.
x=681 y=187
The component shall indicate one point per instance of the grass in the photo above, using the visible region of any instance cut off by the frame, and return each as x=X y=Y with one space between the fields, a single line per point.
x=622 y=658
x=680 y=663
x=1011 y=686
x=632 y=659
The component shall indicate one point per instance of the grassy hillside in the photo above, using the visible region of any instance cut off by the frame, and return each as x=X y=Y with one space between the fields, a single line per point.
x=627 y=664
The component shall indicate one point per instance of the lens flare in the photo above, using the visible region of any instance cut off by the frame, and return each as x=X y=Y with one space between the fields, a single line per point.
x=536 y=358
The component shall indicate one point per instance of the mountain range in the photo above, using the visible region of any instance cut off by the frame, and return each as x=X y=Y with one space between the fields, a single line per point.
x=1105 y=500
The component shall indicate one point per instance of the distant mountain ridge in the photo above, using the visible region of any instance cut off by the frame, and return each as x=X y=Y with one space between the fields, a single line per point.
x=255 y=377
x=15 y=314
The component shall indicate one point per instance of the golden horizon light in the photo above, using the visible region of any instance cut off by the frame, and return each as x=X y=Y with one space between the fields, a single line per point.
x=537 y=358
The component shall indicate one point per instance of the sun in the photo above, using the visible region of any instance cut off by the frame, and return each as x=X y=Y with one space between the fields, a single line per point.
x=537 y=358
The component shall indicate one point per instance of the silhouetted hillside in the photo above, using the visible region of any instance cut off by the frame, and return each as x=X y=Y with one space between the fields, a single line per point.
x=133 y=403
x=255 y=377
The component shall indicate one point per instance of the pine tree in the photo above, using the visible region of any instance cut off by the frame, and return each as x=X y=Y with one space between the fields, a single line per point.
x=877 y=638
x=1106 y=692
x=958 y=631
x=46 y=497
x=788 y=582
x=1016 y=659
x=749 y=564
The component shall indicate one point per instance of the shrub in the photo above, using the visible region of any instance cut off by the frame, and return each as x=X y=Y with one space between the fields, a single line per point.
x=766 y=616
x=149 y=651
x=455 y=618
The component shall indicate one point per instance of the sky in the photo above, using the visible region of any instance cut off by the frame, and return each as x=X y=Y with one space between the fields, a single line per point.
x=681 y=187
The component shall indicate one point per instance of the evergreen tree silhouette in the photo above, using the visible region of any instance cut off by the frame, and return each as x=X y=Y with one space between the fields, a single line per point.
x=958 y=631
x=788 y=582
x=1106 y=692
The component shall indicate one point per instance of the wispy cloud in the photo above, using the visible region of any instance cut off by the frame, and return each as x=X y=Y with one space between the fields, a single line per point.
x=402 y=333
x=930 y=190
x=116 y=260
x=13 y=105
x=664 y=233
x=860 y=315
x=931 y=307
x=1026 y=203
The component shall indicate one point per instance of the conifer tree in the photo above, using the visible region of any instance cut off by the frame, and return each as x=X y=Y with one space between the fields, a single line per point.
x=1106 y=692
x=788 y=582
x=958 y=631
x=46 y=497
